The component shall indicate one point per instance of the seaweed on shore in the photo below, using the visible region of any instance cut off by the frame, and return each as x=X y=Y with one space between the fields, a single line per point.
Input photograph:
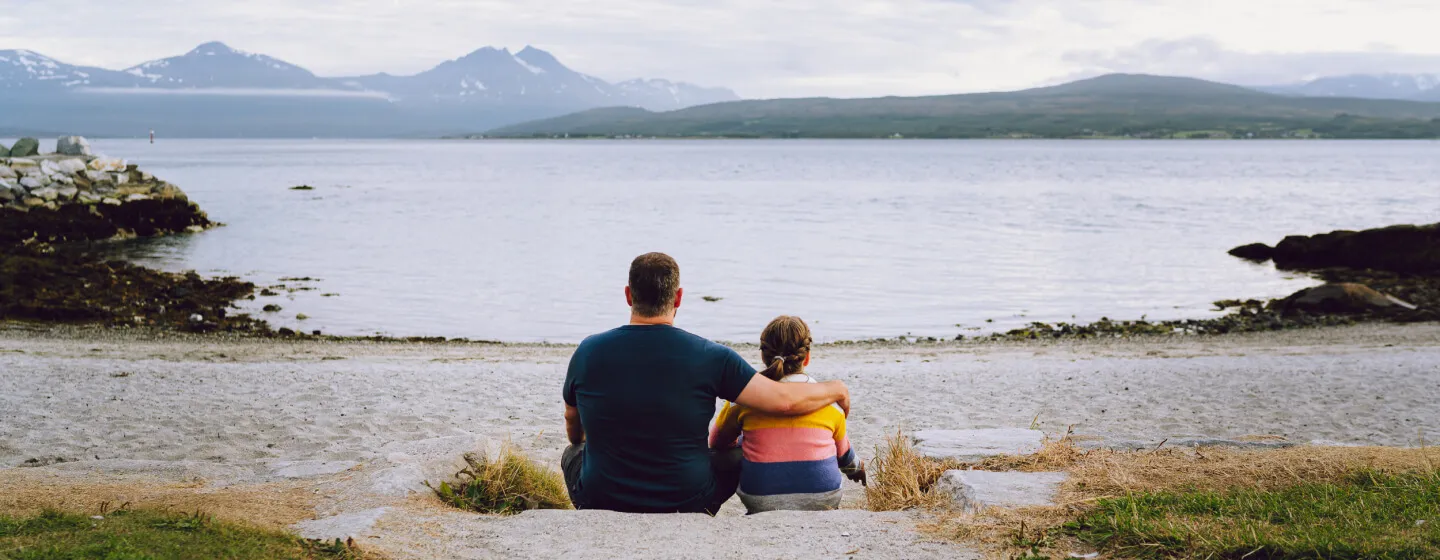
x=41 y=283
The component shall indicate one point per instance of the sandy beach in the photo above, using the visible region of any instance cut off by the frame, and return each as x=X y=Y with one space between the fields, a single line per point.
x=352 y=427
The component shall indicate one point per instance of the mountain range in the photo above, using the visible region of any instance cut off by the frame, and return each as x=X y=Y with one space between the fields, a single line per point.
x=1413 y=87
x=1116 y=105
x=236 y=93
x=218 y=91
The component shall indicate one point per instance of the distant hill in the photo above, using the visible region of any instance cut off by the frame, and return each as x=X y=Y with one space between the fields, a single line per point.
x=1112 y=105
x=1414 y=87
x=215 y=90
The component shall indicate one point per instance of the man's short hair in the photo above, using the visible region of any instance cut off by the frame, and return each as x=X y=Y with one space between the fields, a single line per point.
x=654 y=279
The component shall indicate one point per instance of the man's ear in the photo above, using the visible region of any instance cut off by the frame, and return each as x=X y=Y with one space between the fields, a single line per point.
x=629 y=301
x=679 y=294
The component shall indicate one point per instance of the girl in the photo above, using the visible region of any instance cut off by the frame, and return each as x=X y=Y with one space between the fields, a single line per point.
x=791 y=463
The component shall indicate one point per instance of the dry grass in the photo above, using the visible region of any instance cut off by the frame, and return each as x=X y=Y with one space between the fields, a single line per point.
x=507 y=484
x=901 y=478
x=268 y=506
x=1101 y=474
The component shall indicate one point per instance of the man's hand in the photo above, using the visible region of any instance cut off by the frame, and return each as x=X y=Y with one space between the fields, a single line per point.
x=793 y=399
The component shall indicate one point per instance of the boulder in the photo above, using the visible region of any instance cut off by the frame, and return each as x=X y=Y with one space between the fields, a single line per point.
x=72 y=146
x=31 y=182
x=1258 y=252
x=6 y=195
x=4 y=150
x=46 y=194
x=67 y=193
x=1343 y=298
x=974 y=491
x=167 y=190
x=974 y=445
x=98 y=176
x=22 y=165
x=25 y=147
x=1405 y=249
x=7 y=173
x=71 y=166
x=49 y=167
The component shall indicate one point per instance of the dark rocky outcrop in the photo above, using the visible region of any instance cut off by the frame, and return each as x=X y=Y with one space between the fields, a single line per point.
x=1404 y=249
x=1258 y=252
x=69 y=201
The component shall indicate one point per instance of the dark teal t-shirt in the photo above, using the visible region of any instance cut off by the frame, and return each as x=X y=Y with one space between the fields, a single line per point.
x=646 y=395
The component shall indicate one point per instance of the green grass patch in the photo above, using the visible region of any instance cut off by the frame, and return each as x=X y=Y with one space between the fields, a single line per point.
x=1368 y=515
x=145 y=534
x=507 y=484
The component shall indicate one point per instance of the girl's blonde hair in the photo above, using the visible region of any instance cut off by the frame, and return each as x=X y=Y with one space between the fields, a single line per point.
x=784 y=345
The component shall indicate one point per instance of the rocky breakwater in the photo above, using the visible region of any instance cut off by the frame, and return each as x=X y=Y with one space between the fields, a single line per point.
x=52 y=205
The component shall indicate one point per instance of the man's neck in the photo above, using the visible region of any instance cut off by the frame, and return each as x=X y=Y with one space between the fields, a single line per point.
x=668 y=320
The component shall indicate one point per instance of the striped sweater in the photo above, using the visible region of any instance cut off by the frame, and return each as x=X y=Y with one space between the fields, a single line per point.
x=791 y=463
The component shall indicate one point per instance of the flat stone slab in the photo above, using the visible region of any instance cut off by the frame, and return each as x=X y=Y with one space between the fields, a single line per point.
x=976 y=490
x=974 y=445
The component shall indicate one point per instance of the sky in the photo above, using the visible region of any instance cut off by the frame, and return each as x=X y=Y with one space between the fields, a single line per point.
x=764 y=48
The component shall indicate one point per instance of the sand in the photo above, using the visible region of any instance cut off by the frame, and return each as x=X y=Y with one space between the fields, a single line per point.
x=362 y=423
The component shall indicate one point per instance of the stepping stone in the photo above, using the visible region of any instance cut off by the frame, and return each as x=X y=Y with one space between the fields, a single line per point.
x=974 y=445
x=976 y=490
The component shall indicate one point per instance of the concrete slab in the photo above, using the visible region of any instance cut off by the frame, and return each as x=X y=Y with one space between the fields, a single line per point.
x=976 y=490
x=974 y=445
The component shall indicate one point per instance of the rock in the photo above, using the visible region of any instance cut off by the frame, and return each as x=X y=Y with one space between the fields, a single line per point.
x=72 y=146
x=49 y=167
x=30 y=182
x=974 y=491
x=1258 y=252
x=127 y=190
x=110 y=201
x=47 y=194
x=71 y=166
x=31 y=202
x=63 y=179
x=7 y=173
x=67 y=193
x=195 y=229
x=25 y=147
x=197 y=318
x=1404 y=249
x=22 y=166
x=302 y=317
x=135 y=197
x=121 y=178
x=973 y=445
x=107 y=164
x=167 y=190
x=271 y=308
x=6 y=195
x=98 y=176
x=1343 y=298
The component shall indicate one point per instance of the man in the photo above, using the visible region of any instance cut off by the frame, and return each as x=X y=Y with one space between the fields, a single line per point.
x=639 y=399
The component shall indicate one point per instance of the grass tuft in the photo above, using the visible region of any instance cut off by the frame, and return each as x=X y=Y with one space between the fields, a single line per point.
x=507 y=484
x=153 y=534
x=901 y=478
x=1366 y=515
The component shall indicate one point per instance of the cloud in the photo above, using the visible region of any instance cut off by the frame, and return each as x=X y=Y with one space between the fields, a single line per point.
x=761 y=48
x=1205 y=58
